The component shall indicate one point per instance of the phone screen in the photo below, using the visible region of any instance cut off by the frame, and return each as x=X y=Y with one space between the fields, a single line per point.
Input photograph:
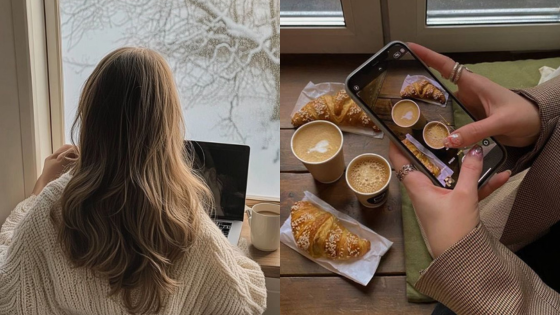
x=418 y=111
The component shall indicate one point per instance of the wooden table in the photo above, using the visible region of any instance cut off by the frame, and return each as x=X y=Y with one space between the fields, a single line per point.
x=306 y=287
x=269 y=261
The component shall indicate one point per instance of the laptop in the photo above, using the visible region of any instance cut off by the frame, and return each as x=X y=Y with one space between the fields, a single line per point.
x=225 y=168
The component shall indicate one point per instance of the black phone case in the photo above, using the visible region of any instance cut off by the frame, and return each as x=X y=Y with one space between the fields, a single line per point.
x=377 y=121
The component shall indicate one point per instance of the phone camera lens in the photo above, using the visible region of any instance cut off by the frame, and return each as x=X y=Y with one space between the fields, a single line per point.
x=356 y=88
x=397 y=55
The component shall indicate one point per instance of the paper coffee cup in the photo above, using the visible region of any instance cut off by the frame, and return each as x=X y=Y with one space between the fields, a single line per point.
x=329 y=170
x=264 y=221
x=417 y=124
x=430 y=143
x=376 y=198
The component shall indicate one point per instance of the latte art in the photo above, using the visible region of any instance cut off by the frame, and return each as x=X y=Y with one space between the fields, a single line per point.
x=321 y=147
x=316 y=142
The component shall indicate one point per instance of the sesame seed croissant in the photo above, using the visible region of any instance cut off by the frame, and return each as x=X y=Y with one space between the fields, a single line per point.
x=322 y=235
x=339 y=109
x=423 y=90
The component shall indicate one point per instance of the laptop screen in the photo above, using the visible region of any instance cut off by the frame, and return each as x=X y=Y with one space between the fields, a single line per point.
x=225 y=169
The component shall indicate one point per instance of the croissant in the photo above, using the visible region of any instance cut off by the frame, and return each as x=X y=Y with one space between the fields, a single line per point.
x=424 y=90
x=339 y=109
x=320 y=234
x=434 y=169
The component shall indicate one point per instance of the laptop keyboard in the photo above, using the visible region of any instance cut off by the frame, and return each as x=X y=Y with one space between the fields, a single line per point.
x=225 y=227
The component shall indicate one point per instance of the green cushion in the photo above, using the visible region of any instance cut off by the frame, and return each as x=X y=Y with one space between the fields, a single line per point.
x=511 y=74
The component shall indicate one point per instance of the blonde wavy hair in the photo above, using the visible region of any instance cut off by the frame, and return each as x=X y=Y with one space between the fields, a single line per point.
x=132 y=207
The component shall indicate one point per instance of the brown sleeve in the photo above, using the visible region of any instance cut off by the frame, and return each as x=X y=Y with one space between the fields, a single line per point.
x=547 y=98
x=479 y=275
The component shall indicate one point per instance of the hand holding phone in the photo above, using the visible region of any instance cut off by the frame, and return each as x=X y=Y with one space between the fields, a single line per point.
x=447 y=216
x=510 y=118
x=418 y=113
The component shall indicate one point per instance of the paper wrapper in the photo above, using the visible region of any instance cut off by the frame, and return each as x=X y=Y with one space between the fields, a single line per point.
x=313 y=91
x=360 y=270
x=445 y=170
x=414 y=78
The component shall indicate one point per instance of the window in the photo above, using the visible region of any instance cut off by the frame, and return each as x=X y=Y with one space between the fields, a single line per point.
x=481 y=25
x=311 y=13
x=224 y=55
x=331 y=26
x=362 y=26
x=480 y=12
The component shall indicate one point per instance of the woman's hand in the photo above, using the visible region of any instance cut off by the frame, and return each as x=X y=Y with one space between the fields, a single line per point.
x=447 y=215
x=511 y=118
x=55 y=165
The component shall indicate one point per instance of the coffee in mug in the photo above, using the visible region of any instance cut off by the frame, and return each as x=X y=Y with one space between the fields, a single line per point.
x=434 y=134
x=368 y=175
x=318 y=145
x=268 y=213
x=406 y=114
x=264 y=221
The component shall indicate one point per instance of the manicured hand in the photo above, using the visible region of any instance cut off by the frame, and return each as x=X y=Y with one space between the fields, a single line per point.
x=447 y=215
x=511 y=119
x=55 y=165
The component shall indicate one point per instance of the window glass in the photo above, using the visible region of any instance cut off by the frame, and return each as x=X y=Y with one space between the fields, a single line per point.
x=311 y=13
x=458 y=12
x=224 y=55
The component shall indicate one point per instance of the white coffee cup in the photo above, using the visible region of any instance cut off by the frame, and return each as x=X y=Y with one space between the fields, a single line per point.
x=417 y=124
x=433 y=123
x=329 y=170
x=265 y=228
x=376 y=198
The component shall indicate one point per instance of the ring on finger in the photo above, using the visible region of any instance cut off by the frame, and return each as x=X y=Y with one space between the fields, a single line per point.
x=405 y=170
x=457 y=75
x=454 y=71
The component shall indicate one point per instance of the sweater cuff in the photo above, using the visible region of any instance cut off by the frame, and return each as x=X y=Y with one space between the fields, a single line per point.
x=547 y=98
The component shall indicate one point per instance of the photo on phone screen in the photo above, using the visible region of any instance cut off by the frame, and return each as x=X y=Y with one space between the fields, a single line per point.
x=418 y=111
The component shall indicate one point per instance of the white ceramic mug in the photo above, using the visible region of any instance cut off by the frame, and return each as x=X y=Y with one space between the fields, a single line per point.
x=265 y=228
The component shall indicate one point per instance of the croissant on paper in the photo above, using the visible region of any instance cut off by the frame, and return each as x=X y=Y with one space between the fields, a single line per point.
x=339 y=109
x=424 y=90
x=322 y=235
x=434 y=169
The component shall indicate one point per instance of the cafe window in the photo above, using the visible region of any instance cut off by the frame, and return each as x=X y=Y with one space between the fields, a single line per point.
x=358 y=26
x=225 y=61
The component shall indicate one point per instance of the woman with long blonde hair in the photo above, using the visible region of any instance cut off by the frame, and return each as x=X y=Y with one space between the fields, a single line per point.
x=126 y=229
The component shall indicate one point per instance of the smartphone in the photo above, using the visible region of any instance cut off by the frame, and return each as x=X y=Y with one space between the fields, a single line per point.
x=416 y=111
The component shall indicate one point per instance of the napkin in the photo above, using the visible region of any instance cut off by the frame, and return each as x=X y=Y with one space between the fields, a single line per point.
x=359 y=270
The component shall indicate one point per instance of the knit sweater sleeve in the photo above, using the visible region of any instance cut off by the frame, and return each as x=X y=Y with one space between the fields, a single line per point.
x=9 y=226
x=21 y=258
x=240 y=281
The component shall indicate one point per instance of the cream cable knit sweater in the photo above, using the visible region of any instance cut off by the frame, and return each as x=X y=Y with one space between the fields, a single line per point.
x=37 y=278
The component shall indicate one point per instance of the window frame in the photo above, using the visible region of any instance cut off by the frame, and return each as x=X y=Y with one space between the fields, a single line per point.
x=363 y=32
x=33 y=88
x=467 y=38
